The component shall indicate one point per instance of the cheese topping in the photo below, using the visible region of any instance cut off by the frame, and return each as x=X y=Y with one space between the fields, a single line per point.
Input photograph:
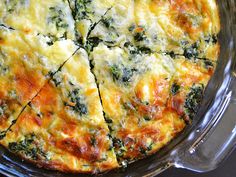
x=91 y=85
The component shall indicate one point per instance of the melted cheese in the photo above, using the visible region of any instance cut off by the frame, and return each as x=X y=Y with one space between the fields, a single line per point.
x=67 y=116
x=24 y=69
x=151 y=59
x=35 y=16
x=136 y=109
x=162 y=26
x=188 y=75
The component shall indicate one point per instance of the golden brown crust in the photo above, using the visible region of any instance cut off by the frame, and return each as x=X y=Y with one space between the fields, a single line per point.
x=152 y=61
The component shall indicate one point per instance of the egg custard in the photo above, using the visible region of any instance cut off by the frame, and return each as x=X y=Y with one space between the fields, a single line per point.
x=87 y=86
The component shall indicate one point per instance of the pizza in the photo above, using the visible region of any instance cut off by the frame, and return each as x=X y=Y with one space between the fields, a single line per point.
x=87 y=86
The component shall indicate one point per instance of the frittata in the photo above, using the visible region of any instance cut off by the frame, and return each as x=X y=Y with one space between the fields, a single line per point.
x=87 y=86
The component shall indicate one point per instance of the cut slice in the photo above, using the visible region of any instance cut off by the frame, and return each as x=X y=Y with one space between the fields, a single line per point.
x=66 y=124
x=187 y=28
x=117 y=22
x=52 y=18
x=26 y=63
x=134 y=92
x=87 y=14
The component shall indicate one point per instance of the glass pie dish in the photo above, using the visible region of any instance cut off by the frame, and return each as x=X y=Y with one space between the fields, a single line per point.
x=200 y=147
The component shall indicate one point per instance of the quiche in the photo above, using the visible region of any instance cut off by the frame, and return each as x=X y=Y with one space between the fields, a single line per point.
x=87 y=86
x=51 y=18
x=26 y=64
x=63 y=126
x=134 y=94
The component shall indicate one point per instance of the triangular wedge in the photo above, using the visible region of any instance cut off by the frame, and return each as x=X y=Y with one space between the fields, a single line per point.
x=67 y=122
x=27 y=62
x=134 y=93
x=50 y=17
x=117 y=22
x=188 y=28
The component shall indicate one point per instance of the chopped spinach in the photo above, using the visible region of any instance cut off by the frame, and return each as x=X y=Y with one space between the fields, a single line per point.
x=133 y=50
x=50 y=74
x=108 y=22
x=211 y=39
x=108 y=120
x=91 y=43
x=117 y=143
x=11 y=5
x=147 y=118
x=149 y=148
x=52 y=38
x=191 y=52
x=144 y=150
x=56 y=79
x=78 y=106
x=93 y=140
x=172 y=54
x=12 y=94
x=208 y=63
x=214 y=39
x=81 y=10
x=93 y=25
x=193 y=100
x=57 y=16
x=138 y=32
x=127 y=74
x=111 y=147
x=144 y=50
x=175 y=88
x=131 y=28
x=29 y=147
x=116 y=72
x=139 y=36
x=121 y=73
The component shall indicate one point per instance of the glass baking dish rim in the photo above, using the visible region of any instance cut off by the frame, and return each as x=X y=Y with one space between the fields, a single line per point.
x=190 y=141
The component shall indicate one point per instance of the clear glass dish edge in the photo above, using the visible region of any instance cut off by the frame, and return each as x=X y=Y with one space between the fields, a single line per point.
x=198 y=148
